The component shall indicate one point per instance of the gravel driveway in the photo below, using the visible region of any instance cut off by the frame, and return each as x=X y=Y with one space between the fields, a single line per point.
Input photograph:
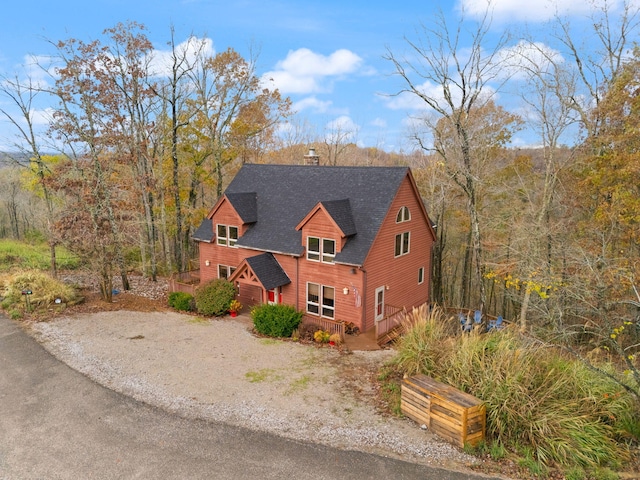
x=218 y=370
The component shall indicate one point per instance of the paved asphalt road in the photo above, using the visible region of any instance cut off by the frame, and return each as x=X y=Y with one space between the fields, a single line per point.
x=57 y=424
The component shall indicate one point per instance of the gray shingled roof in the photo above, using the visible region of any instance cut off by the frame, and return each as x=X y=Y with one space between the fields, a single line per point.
x=245 y=204
x=286 y=194
x=204 y=233
x=268 y=271
x=340 y=211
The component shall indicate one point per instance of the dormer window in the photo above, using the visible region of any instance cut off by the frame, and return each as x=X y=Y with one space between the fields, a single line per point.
x=403 y=215
x=227 y=235
x=321 y=248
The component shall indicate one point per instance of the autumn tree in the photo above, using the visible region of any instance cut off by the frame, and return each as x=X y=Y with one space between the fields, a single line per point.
x=84 y=123
x=22 y=94
x=460 y=78
x=231 y=103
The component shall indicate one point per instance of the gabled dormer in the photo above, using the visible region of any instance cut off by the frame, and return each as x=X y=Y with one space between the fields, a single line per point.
x=228 y=219
x=326 y=229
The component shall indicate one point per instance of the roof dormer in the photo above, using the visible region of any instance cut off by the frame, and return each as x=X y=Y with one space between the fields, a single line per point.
x=337 y=213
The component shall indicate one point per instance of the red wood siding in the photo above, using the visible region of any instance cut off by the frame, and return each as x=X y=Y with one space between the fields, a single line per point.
x=321 y=226
x=338 y=277
x=400 y=274
x=331 y=275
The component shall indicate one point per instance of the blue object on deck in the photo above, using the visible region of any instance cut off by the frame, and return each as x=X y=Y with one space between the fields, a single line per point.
x=115 y=291
x=496 y=324
x=477 y=316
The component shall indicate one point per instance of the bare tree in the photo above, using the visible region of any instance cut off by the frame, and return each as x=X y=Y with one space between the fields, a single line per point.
x=22 y=95
x=461 y=78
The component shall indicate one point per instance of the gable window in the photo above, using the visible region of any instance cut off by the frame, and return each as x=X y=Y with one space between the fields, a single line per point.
x=402 y=244
x=227 y=235
x=321 y=300
x=328 y=250
x=403 y=215
x=324 y=249
x=313 y=248
x=420 y=275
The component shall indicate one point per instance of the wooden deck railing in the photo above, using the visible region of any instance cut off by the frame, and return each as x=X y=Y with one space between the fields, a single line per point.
x=392 y=319
x=330 y=326
x=185 y=282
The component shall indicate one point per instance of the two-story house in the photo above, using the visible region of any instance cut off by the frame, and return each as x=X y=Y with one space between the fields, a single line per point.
x=339 y=243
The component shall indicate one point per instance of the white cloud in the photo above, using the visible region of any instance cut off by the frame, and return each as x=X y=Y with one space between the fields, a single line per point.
x=411 y=101
x=516 y=61
x=304 y=71
x=534 y=11
x=42 y=117
x=379 y=122
x=161 y=60
x=342 y=129
x=312 y=103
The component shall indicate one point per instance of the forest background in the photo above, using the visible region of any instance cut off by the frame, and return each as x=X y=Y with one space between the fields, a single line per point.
x=547 y=237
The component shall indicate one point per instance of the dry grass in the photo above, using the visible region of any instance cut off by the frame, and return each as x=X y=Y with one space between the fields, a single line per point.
x=540 y=403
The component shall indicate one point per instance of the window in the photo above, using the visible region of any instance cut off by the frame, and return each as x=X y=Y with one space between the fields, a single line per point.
x=313 y=298
x=324 y=249
x=328 y=302
x=403 y=215
x=225 y=271
x=328 y=250
x=313 y=248
x=227 y=235
x=321 y=300
x=233 y=236
x=420 y=275
x=402 y=244
x=222 y=234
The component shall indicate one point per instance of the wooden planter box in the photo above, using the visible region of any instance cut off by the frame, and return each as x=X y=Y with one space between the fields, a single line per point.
x=456 y=416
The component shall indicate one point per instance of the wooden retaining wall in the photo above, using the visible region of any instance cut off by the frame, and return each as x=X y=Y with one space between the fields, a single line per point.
x=455 y=416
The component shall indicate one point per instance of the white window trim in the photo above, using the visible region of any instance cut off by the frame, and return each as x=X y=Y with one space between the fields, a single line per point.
x=320 y=304
x=322 y=256
x=420 y=275
x=226 y=241
x=403 y=215
x=401 y=236
x=228 y=268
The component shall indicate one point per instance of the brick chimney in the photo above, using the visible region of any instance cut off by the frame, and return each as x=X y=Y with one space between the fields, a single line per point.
x=311 y=158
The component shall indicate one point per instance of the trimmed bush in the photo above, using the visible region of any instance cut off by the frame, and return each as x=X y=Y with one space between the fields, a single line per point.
x=214 y=297
x=182 y=301
x=275 y=320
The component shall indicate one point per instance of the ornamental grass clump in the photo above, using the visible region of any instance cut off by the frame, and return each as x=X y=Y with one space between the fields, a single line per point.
x=538 y=399
x=45 y=291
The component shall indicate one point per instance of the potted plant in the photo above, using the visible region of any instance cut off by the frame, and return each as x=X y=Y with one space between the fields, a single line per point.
x=234 y=307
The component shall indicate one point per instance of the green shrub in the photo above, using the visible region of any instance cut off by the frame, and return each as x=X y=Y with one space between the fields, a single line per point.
x=214 y=297
x=275 y=320
x=538 y=399
x=182 y=301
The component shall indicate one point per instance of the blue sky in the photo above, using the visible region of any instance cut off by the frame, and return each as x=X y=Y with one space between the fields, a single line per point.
x=326 y=56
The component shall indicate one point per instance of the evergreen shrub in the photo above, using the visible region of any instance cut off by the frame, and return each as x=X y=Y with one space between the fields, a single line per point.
x=276 y=320
x=182 y=301
x=214 y=297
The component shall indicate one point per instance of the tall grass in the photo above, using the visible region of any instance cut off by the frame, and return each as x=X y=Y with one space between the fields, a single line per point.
x=21 y=255
x=45 y=290
x=537 y=398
